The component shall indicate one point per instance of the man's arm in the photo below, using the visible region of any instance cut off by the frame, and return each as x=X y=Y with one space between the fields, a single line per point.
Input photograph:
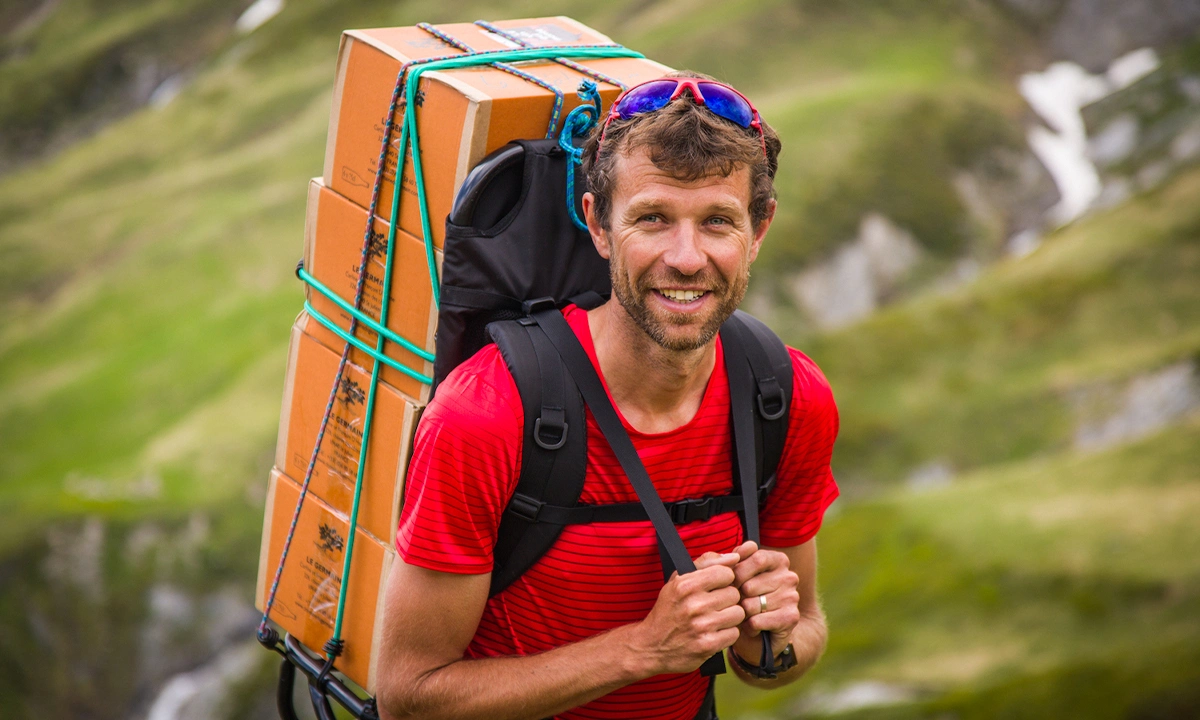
x=431 y=617
x=788 y=579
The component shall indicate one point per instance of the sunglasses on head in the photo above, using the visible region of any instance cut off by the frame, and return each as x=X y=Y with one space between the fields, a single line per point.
x=718 y=98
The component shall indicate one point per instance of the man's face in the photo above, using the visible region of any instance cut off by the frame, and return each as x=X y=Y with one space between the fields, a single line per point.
x=679 y=252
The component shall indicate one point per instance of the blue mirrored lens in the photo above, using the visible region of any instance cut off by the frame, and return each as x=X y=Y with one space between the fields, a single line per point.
x=726 y=103
x=646 y=98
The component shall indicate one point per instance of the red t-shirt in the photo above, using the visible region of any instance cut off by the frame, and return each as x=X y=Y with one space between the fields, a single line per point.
x=596 y=577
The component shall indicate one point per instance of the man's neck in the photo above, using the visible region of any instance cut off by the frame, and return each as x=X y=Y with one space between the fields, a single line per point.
x=656 y=389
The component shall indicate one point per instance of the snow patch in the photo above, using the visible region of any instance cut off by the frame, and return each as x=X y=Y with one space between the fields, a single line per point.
x=257 y=15
x=1131 y=67
x=1058 y=94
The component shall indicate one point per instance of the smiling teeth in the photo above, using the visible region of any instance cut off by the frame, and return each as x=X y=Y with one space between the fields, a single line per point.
x=684 y=296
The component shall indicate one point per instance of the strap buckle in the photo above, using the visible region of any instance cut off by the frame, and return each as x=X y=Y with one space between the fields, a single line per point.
x=770 y=399
x=538 y=304
x=525 y=507
x=691 y=510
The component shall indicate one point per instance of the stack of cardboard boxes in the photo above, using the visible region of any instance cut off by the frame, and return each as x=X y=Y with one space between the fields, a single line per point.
x=462 y=115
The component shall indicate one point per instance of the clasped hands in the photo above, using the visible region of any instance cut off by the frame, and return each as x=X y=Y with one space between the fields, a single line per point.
x=718 y=606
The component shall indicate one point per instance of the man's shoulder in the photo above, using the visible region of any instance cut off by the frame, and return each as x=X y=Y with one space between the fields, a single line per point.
x=480 y=394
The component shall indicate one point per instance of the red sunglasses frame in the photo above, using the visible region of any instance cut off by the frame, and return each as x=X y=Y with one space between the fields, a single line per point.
x=682 y=84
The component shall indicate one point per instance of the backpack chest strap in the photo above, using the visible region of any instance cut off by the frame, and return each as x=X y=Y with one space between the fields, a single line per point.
x=681 y=512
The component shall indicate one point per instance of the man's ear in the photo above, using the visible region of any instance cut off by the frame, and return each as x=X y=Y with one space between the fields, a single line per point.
x=760 y=231
x=599 y=236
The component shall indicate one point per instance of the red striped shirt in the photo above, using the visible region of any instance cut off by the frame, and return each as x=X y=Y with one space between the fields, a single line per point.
x=596 y=577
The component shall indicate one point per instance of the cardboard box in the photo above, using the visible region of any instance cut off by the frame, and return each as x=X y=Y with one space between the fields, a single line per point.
x=333 y=242
x=462 y=114
x=306 y=601
x=310 y=373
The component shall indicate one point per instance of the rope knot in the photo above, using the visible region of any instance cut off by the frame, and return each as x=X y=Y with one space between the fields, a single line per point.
x=588 y=92
x=267 y=637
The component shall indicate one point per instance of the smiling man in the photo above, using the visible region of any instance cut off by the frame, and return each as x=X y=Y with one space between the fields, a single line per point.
x=681 y=178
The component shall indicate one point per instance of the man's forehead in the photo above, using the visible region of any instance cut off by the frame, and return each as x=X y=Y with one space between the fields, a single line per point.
x=642 y=182
x=649 y=202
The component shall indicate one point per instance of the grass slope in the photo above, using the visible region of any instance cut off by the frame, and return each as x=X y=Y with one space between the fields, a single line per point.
x=147 y=291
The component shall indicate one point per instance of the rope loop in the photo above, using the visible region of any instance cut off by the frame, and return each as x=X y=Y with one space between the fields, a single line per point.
x=579 y=123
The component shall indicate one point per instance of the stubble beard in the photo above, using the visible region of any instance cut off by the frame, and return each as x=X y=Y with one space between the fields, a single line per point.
x=634 y=301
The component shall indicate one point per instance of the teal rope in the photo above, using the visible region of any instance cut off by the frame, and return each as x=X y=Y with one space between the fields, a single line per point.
x=358 y=343
x=358 y=315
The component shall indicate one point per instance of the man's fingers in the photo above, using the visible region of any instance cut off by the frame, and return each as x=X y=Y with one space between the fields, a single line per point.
x=768 y=582
x=758 y=563
x=780 y=598
x=710 y=559
x=746 y=549
x=781 y=621
x=706 y=579
x=731 y=617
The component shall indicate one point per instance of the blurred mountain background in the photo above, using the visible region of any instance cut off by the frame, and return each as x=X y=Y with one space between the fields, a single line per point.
x=988 y=238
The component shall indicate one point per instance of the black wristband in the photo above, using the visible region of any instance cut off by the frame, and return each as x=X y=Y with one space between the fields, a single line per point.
x=785 y=661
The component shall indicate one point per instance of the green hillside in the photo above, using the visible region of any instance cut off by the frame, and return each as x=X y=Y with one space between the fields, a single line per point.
x=147 y=291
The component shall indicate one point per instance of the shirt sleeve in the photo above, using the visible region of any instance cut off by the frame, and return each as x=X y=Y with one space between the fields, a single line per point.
x=804 y=482
x=464 y=468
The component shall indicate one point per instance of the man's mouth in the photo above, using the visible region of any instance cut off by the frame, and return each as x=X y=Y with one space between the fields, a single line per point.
x=683 y=296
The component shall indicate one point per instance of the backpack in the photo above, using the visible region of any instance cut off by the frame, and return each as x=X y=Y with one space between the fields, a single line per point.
x=512 y=258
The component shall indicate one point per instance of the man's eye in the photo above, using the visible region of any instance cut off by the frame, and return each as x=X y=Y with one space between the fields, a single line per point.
x=718 y=221
x=651 y=218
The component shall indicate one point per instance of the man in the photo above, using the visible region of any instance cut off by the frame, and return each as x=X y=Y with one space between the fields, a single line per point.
x=681 y=199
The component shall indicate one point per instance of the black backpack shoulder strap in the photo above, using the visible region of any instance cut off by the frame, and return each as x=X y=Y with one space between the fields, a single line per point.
x=554 y=455
x=758 y=361
x=760 y=393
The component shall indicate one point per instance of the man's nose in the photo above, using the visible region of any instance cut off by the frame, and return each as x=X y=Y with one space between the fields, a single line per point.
x=684 y=253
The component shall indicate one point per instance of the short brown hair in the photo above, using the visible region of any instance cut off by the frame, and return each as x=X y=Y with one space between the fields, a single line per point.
x=688 y=142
